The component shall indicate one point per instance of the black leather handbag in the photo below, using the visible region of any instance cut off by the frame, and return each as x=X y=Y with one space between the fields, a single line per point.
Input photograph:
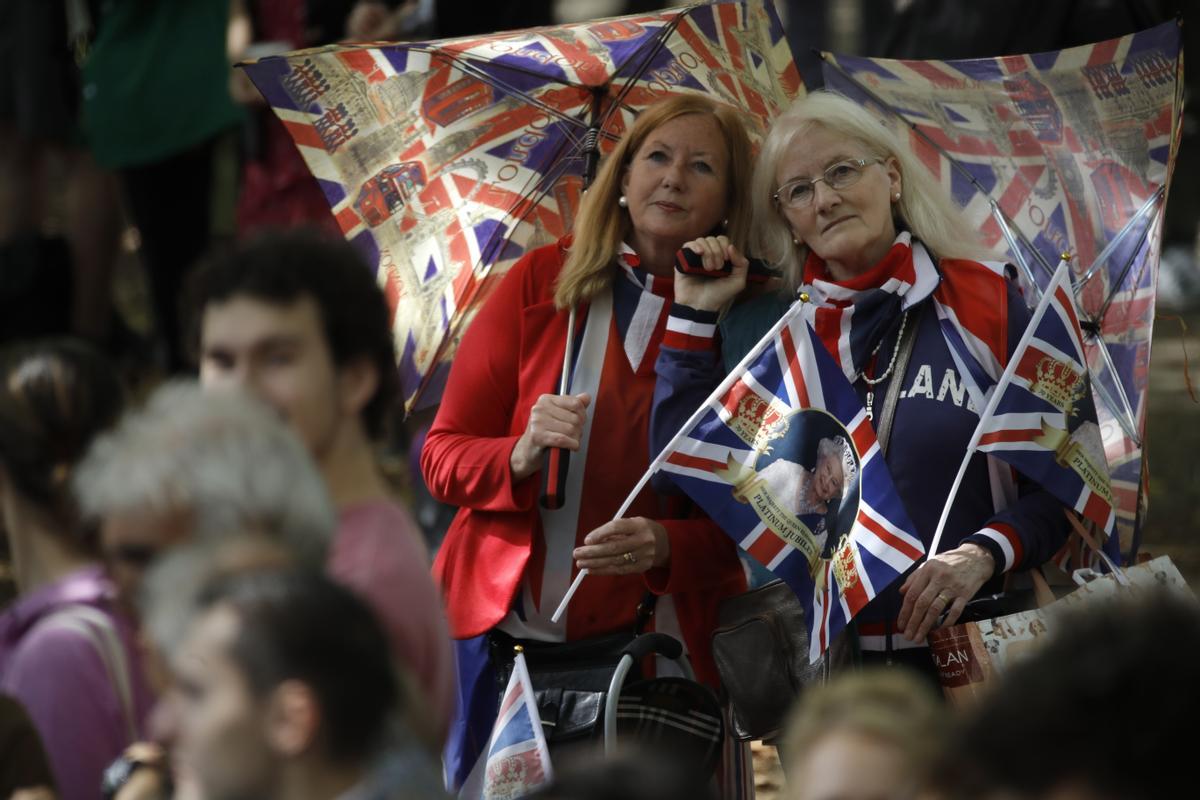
x=570 y=679
x=760 y=646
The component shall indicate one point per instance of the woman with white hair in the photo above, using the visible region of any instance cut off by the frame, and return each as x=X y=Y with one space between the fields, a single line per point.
x=857 y=226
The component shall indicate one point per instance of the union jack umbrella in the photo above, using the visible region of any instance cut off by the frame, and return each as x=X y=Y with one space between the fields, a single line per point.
x=445 y=161
x=1067 y=152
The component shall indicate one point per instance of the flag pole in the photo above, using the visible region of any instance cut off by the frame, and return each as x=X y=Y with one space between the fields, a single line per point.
x=994 y=400
x=724 y=386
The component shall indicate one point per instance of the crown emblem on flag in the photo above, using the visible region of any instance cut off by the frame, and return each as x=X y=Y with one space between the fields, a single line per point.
x=759 y=422
x=843 y=564
x=1058 y=384
x=509 y=778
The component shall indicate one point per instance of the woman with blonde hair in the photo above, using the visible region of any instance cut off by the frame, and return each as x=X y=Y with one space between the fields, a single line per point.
x=681 y=171
x=868 y=735
x=862 y=232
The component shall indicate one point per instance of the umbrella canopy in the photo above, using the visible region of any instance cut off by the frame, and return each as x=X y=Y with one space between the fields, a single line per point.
x=446 y=161
x=1071 y=152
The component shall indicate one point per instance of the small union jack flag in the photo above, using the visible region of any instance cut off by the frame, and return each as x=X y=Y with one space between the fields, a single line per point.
x=1041 y=418
x=784 y=458
x=517 y=760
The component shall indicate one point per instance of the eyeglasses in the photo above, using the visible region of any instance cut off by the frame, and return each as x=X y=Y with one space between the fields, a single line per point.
x=842 y=175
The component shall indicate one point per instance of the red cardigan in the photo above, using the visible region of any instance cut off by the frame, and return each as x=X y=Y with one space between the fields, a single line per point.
x=512 y=354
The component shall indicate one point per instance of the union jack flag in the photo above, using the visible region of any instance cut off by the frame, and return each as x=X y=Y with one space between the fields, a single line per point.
x=1041 y=418
x=784 y=458
x=516 y=760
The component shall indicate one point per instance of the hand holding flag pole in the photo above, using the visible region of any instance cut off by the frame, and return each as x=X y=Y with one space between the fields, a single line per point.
x=724 y=387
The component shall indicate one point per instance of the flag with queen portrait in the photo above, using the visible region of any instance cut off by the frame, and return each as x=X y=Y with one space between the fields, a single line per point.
x=783 y=457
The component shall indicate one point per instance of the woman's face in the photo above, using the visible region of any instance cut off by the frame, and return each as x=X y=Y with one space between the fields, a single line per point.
x=676 y=184
x=829 y=477
x=851 y=229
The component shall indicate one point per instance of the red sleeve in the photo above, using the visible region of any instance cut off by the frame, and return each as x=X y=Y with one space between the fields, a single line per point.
x=465 y=456
x=701 y=555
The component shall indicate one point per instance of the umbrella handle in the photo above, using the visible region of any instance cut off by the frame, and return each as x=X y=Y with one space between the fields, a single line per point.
x=556 y=460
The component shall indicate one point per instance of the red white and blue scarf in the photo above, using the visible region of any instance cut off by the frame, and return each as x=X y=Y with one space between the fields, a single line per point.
x=641 y=301
x=853 y=316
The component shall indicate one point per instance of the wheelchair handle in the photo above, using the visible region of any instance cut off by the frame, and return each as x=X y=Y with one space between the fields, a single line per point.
x=642 y=646
x=653 y=643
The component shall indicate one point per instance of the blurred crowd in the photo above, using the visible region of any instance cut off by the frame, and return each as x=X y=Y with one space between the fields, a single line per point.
x=219 y=562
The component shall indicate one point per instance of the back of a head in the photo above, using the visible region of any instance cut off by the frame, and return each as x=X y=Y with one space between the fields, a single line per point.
x=627 y=776
x=224 y=458
x=1108 y=707
x=285 y=266
x=57 y=395
x=301 y=626
x=892 y=708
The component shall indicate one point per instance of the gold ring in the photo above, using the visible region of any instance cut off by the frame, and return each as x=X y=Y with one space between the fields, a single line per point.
x=942 y=596
x=630 y=558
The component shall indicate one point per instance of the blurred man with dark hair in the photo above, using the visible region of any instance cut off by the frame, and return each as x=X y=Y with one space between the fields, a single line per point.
x=297 y=318
x=1106 y=710
x=285 y=689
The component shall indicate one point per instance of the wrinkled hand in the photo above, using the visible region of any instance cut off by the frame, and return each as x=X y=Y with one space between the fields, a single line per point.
x=604 y=549
x=712 y=294
x=947 y=580
x=556 y=420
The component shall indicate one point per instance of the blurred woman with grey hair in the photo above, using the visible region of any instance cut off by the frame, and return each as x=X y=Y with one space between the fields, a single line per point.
x=200 y=466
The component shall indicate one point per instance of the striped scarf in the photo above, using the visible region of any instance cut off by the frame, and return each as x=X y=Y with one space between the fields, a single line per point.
x=853 y=316
x=640 y=304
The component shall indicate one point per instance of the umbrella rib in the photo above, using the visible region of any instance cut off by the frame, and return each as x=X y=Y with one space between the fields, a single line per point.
x=954 y=163
x=1005 y=229
x=464 y=60
x=653 y=47
x=1124 y=272
x=535 y=195
x=1121 y=411
x=476 y=72
x=1107 y=251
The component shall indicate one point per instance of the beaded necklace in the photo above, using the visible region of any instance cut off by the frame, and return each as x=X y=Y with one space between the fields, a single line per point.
x=872 y=382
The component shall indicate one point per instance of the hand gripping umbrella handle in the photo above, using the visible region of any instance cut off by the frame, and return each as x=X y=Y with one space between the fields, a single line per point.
x=556 y=460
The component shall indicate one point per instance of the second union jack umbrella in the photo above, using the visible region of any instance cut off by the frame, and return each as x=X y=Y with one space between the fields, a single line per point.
x=445 y=161
x=1066 y=152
